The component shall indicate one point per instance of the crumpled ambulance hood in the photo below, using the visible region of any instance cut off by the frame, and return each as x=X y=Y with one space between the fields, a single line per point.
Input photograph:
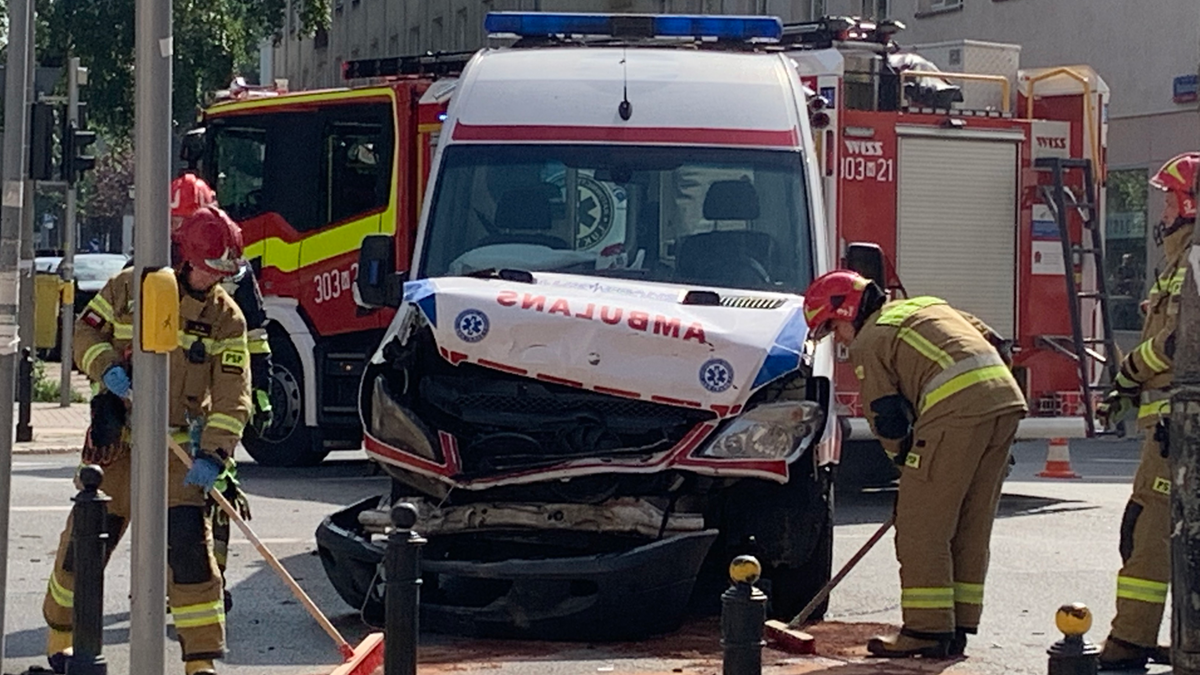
x=617 y=337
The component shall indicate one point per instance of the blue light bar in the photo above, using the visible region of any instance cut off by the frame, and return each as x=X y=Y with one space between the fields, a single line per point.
x=721 y=27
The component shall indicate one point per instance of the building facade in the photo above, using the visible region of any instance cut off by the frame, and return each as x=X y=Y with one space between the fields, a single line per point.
x=1147 y=52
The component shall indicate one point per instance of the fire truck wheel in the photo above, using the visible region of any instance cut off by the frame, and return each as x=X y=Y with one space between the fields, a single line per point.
x=287 y=442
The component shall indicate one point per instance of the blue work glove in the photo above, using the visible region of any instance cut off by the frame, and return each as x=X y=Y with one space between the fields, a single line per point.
x=116 y=378
x=204 y=472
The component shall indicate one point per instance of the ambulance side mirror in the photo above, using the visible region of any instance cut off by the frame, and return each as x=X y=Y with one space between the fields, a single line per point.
x=378 y=283
x=867 y=259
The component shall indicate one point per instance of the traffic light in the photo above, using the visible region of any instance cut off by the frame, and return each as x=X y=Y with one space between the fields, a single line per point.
x=76 y=159
x=41 y=142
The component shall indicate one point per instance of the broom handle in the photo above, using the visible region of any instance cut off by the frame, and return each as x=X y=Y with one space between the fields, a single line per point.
x=841 y=574
x=311 y=606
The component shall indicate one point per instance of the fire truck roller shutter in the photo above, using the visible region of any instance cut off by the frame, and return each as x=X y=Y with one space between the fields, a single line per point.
x=956 y=223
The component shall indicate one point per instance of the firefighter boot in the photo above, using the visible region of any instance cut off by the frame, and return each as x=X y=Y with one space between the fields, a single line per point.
x=199 y=667
x=1118 y=654
x=58 y=649
x=958 y=646
x=911 y=643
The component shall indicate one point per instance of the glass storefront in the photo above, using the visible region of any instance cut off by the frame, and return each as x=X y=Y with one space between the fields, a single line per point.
x=1125 y=245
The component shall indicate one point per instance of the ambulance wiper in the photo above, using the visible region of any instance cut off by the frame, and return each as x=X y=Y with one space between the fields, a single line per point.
x=505 y=274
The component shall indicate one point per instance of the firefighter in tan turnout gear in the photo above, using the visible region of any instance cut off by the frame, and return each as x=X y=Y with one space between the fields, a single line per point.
x=1144 y=382
x=209 y=406
x=941 y=399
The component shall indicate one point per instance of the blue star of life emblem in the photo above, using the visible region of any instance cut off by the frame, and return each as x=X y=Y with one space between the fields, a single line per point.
x=471 y=325
x=716 y=375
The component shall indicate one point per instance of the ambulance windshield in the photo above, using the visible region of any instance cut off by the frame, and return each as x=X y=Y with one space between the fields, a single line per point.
x=722 y=217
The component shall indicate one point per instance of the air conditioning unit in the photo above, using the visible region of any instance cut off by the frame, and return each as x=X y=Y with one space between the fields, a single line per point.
x=978 y=58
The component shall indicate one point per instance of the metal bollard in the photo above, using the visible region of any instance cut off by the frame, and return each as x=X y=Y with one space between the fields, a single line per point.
x=743 y=612
x=1073 y=655
x=25 y=396
x=89 y=538
x=403 y=602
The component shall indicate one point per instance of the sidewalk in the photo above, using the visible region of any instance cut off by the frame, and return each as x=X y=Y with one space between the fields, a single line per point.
x=57 y=429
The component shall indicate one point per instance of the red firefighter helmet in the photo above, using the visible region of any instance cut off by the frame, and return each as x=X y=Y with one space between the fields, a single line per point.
x=833 y=295
x=209 y=240
x=189 y=193
x=1178 y=176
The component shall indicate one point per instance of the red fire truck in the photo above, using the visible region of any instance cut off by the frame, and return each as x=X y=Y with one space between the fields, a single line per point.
x=978 y=187
x=308 y=175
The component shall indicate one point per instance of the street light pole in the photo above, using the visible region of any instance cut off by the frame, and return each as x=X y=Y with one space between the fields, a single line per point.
x=11 y=205
x=1184 y=441
x=152 y=146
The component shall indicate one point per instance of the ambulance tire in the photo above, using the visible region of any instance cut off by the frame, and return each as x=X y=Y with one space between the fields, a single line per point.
x=288 y=442
x=793 y=587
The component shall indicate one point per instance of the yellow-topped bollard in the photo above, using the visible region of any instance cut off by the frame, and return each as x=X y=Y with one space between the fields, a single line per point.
x=1073 y=655
x=743 y=613
x=745 y=569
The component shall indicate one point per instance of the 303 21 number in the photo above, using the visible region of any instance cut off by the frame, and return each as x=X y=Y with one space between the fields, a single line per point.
x=880 y=170
x=332 y=284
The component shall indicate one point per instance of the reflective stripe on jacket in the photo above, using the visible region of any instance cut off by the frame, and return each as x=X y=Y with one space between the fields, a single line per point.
x=936 y=357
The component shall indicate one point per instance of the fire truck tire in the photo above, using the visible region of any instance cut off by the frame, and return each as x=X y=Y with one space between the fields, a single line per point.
x=288 y=441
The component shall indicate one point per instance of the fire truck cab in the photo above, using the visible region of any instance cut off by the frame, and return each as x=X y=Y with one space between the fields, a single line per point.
x=980 y=183
x=308 y=175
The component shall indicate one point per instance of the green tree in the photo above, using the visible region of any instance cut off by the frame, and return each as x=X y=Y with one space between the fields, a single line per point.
x=214 y=40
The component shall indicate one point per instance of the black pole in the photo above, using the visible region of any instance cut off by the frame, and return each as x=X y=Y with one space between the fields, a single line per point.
x=25 y=396
x=89 y=538
x=1184 y=445
x=403 y=566
x=743 y=613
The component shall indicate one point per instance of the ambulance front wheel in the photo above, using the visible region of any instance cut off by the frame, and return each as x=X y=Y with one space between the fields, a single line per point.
x=288 y=441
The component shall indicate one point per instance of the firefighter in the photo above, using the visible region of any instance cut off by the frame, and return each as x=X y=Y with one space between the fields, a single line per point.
x=189 y=193
x=939 y=395
x=1144 y=382
x=209 y=407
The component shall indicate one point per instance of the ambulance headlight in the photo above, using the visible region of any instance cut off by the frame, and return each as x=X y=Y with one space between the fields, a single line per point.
x=771 y=431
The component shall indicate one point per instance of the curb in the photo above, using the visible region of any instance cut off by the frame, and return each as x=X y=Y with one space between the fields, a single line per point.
x=19 y=449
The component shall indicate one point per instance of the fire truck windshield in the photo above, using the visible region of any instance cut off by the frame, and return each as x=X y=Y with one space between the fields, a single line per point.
x=722 y=217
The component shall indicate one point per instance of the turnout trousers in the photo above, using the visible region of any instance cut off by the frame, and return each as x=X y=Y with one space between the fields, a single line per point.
x=949 y=489
x=1143 y=580
x=194 y=590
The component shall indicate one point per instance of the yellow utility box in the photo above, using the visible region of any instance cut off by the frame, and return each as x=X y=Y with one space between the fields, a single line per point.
x=48 y=291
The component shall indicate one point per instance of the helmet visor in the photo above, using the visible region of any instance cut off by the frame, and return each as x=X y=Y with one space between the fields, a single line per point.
x=227 y=266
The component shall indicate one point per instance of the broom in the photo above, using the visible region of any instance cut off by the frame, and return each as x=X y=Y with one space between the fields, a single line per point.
x=787 y=636
x=362 y=660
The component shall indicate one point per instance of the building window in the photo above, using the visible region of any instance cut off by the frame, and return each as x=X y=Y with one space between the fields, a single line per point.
x=936 y=6
x=437 y=39
x=1125 y=245
x=394 y=45
x=460 y=30
x=817 y=9
x=414 y=40
x=876 y=9
x=321 y=38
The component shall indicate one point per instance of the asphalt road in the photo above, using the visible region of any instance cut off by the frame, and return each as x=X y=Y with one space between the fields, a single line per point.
x=1055 y=542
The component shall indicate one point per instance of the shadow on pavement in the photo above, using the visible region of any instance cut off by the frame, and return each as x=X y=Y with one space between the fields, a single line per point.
x=31 y=643
x=337 y=482
x=874 y=505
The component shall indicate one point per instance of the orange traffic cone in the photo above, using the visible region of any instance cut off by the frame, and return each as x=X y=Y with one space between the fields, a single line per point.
x=1058 y=460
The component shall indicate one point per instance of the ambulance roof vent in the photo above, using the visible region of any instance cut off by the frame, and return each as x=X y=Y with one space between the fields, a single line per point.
x=635 y=26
